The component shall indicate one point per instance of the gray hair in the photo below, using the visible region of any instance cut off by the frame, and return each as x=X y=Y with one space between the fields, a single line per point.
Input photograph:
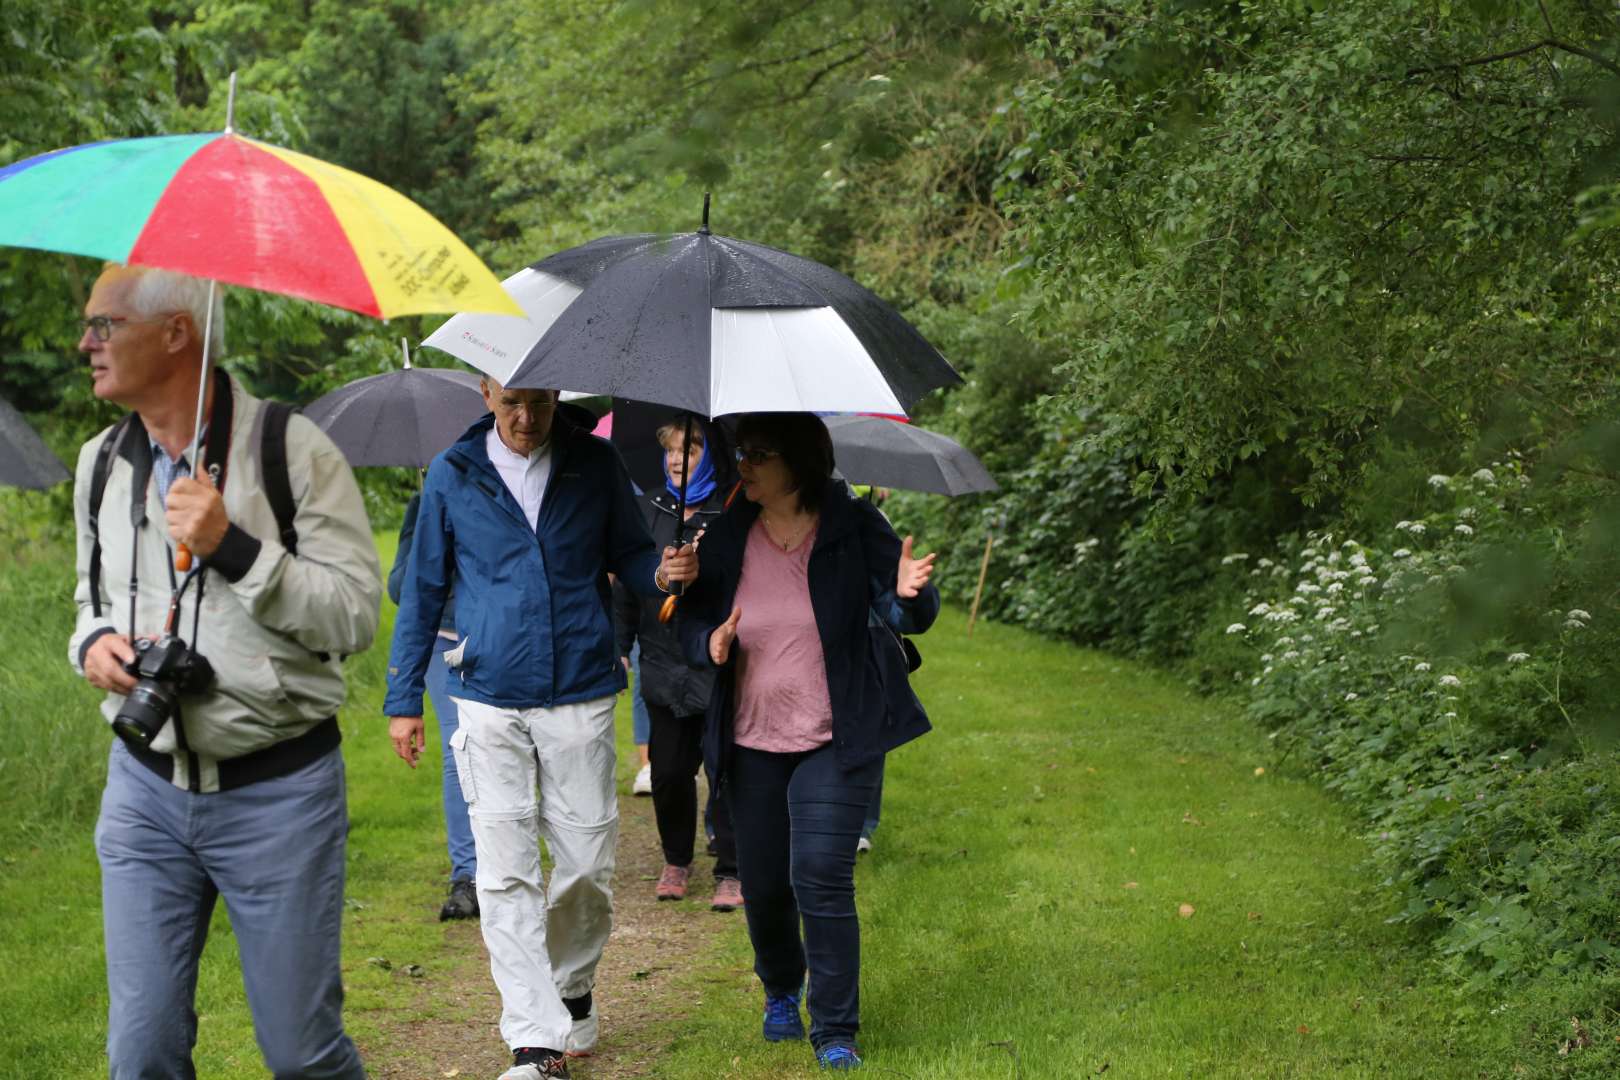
x=164 y=292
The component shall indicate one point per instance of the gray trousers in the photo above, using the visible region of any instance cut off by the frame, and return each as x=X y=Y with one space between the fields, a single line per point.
x=274 y=850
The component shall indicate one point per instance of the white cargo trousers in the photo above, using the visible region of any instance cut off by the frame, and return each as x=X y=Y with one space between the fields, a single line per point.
x=542 y=946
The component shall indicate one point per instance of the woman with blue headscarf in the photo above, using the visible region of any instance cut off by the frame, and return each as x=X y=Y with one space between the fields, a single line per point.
x=676 y=694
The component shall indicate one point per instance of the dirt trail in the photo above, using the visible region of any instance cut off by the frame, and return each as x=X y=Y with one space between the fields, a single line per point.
x=451 y=1028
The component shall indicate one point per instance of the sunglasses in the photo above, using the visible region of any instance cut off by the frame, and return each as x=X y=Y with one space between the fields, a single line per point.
x=755 y=455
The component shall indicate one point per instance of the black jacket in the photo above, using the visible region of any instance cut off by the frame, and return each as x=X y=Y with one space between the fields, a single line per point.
x=666 y=678
x=852 y=578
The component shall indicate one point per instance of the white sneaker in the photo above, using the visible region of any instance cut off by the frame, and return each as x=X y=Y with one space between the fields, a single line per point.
x=863 y=845
x=643 y=784
x=582 y=1037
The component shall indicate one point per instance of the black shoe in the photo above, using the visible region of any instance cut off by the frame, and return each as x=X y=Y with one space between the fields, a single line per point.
x=462 y=903
x=537 y=1063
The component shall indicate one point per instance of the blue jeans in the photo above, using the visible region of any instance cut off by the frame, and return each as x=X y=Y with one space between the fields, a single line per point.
x=457 y=829
x=797 y=817
x=874 y=812
x=274 y=850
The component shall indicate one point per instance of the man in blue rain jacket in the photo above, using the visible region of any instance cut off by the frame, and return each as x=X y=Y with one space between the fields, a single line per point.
x=527 y=514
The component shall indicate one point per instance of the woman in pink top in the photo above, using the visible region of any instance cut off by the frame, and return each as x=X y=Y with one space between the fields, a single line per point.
x=809 y=695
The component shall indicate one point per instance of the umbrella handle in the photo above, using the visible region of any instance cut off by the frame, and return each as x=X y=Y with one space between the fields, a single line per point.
x=667 y=611
x=182 y=558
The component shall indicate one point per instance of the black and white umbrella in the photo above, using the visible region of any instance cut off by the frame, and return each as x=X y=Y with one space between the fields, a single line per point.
x=704 y=323
x=403 y=417
x=25 y=460
x=888 y=453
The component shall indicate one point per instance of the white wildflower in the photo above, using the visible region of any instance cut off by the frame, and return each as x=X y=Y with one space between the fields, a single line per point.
x=1400 y=553
x=1463 y=530
x=1265 y=658
x=1228 y=560
x=1439 y=480
x=1484 y=476
x=1518 y=657
x=1306 y=637
x=1285 y=641
x=1468 y=513
x=1402 y=526
x=1577 y=613
x=1417 y=528
x=1347 y=545
x=1307 y=587
x=1574 y=624
x=1260 y=609
x=1450 y=680
x=1358 y=559
x=1336 y=587
x=1367 y=582
x=1448 y=716
x=1236 y=628
x=1421 y=667
x=1324 y=614
x=1264 y=564
x=1281 y=615
x=1291 y=654
x=1351 y=696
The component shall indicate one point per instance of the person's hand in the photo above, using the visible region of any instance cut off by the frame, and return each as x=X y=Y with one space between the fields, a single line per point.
x=722 y=637
x=679 y=565
x=407 y=735
x=196 y=515
x=914 y=573
x=104 y=663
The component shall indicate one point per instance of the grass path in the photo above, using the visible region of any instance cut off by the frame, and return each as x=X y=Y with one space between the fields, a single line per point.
x=1023 y=914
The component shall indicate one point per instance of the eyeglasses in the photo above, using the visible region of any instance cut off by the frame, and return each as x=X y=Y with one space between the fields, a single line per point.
x=102 y=326
x=755 y=455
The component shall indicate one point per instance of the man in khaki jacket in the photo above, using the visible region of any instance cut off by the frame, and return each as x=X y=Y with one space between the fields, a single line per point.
x=237 y=789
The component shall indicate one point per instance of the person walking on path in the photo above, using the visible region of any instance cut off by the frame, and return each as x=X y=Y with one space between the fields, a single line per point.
x=226 y=783
x=675 y=692
x=527 y=514
x=802 y=589
x=462 y=903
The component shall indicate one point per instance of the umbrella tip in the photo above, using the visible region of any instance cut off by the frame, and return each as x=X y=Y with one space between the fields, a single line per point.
x=705 y=229
x=405 y=347
x=230 y=107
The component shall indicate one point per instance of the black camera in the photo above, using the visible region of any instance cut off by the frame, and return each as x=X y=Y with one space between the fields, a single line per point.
x=165 y=669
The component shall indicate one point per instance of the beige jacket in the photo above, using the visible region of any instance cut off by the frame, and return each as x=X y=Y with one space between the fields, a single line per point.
x=264 y=632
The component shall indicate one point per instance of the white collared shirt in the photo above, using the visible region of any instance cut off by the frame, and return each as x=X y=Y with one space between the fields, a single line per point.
x=525 y=475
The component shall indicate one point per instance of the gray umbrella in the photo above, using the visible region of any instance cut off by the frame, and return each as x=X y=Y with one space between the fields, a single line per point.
x=887 y=453
x=400 y=417
x=25 y=460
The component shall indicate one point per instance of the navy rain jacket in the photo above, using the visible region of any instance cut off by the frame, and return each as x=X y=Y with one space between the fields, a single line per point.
x=532 y=606
x=852 y=577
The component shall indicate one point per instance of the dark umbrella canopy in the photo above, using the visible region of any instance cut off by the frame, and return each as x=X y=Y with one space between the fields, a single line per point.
x=25 y=460
x=400 y=417
x=704 y=323
x=886 y=453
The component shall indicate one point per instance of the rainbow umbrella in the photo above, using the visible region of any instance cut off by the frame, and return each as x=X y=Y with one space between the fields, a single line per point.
x=227 y=208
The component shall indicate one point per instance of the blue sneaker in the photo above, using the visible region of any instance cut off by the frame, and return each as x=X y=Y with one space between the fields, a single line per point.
x=838 y=1056
x=782 y=1020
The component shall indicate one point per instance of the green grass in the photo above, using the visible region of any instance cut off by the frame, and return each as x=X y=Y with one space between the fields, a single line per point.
x=1000 y=937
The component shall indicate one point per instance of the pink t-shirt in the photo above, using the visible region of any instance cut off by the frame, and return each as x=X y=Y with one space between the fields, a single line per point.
x=782 y=700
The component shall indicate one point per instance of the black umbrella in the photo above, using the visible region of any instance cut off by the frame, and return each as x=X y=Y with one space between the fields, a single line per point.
x=887 y=453
x=25 y=460
x=704 y=323
x=401 y=417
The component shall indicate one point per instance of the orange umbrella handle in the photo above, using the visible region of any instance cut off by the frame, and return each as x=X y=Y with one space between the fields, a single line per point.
x=667 y=611
x=182 y=558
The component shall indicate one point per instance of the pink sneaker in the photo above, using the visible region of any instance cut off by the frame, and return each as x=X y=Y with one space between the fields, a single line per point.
x=727 y=895
x=672 y=883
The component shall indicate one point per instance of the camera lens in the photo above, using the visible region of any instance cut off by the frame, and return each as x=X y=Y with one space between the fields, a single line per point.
x=144 y=712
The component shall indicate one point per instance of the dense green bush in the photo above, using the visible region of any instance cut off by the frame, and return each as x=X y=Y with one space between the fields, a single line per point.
x=1481 y=762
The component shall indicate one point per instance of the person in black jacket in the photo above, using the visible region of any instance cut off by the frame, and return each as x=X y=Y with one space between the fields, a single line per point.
x=801 y=591
x=676 y=694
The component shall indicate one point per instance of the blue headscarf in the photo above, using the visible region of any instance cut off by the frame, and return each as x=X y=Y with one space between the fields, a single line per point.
x=700 y=485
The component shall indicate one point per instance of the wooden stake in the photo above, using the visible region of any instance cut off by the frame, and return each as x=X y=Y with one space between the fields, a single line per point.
x=984 y=569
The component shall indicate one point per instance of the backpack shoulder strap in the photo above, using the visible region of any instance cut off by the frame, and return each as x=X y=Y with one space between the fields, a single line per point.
x=273 y=466
x=98 y=490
